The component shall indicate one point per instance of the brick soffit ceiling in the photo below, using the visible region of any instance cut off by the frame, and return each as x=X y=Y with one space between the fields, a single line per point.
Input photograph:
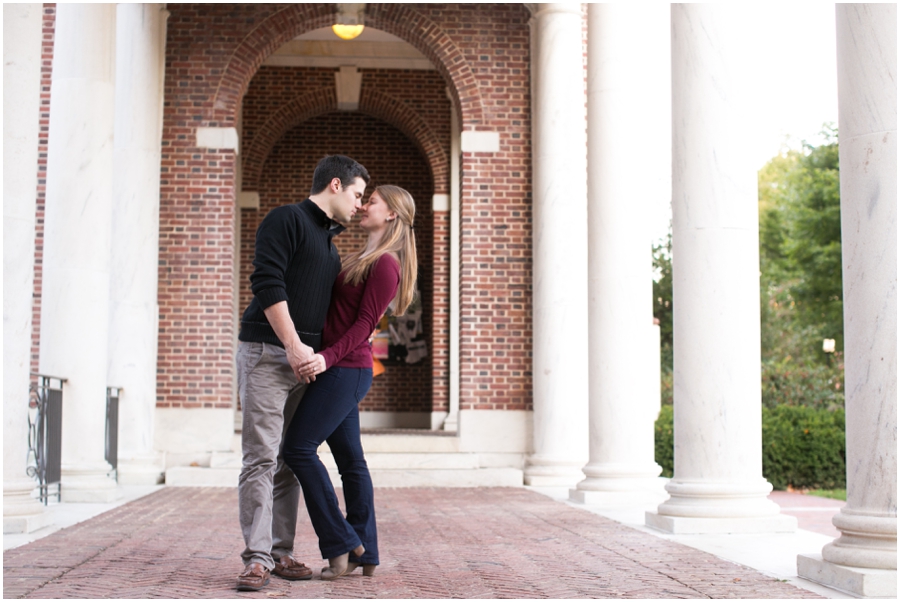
x=373 y=49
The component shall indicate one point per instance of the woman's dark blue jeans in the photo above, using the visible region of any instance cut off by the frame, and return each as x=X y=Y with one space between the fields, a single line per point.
x=329 y=411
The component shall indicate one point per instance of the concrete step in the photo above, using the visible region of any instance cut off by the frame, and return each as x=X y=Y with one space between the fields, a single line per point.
x=410 y=461
x=475 y=477
x=202 y=476
x=195 y=476
x=225 y=460
x=409 y=443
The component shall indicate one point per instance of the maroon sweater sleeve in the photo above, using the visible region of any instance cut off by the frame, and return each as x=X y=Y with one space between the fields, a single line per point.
x=380 y=288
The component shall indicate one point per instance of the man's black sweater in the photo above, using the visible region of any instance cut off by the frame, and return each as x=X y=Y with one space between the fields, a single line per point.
x=295 y=262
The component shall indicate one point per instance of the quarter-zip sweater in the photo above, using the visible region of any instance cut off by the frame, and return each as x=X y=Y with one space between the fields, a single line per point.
x=297 y=262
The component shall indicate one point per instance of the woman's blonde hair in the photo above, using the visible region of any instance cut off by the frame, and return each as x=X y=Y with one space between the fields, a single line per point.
x=398 y=239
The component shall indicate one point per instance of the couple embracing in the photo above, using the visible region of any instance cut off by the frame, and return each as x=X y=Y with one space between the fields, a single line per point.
x=304 y=363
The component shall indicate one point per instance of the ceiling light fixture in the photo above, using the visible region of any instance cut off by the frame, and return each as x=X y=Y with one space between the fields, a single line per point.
x=349 y=21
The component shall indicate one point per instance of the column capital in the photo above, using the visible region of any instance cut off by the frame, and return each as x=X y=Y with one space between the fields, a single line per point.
x=544 y=9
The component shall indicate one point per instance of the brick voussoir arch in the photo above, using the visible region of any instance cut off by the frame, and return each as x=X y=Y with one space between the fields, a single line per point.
x=396 y=19
x=322 y=100
x=272 y=33
x=429 y=39
x=309 y=105
x=388 y=109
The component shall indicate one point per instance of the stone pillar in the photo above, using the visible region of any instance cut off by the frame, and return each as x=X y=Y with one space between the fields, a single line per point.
x=559 y=243
x=623 y=89
x=451 y=423
x=133 y=331
x=718 y=485
x=21 y=103
x=78 y=214
x=863 y=560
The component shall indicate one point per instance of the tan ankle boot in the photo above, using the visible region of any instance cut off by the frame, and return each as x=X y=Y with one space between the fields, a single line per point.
x=339 y=566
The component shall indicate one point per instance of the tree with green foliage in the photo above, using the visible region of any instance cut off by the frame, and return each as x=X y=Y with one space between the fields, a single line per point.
x=800 y=249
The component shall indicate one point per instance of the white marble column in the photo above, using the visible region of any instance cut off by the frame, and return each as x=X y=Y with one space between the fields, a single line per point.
x=133 y=332
x=78 y=214
x=863 y=560
x=627 y=105
x=22 y=25
x=718 y=485
x=559 y=217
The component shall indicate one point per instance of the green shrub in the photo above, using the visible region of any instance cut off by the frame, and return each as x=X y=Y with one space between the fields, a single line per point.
x=665 y=440
x=803 y=447
x=803 y=384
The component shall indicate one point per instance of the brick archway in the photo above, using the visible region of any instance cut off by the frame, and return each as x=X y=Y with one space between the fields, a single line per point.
x=322 y=100
x=307 y=106
x=396 y=19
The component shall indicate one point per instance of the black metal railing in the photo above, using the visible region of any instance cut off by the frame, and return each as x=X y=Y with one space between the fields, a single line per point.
x=112 y=429
x=44 y=461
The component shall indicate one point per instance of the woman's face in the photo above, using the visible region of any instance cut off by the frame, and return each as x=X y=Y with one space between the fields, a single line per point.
x=375 y=213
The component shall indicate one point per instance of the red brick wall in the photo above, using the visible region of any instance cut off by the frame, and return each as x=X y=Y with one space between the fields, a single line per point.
x=47 y=35
x=391 y=159
x=481 y=52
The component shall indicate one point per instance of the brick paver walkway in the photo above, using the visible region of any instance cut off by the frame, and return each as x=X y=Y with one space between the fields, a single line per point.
x=435 y=543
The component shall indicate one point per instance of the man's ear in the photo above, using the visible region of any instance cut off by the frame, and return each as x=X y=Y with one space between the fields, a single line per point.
x=335 y=185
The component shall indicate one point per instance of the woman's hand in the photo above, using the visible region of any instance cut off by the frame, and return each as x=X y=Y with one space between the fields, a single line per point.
x=314 y=364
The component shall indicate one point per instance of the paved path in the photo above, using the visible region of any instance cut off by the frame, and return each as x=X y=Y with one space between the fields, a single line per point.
x=435 y=543
x=813 y=513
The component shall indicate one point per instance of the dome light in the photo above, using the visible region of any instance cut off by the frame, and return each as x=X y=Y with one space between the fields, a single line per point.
x=347 y=32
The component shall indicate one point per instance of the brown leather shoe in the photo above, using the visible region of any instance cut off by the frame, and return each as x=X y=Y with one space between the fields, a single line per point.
x=288 y=568
x=254 y=578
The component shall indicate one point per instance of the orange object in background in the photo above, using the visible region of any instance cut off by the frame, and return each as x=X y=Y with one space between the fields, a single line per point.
x=377 y=367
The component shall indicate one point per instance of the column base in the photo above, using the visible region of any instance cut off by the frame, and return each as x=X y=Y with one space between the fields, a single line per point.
x=451 y=423
x=21 y=512
x=140 y=472
x=541 y=472
x=88 y=484
x=680 y=525
x=618 y=499
x=27 y=523
x=867 y=583
x=620 y=488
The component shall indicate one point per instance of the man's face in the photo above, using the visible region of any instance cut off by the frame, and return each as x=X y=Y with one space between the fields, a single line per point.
x=347 y=200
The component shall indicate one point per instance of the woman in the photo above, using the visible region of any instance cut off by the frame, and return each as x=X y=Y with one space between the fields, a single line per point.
x=382 y=271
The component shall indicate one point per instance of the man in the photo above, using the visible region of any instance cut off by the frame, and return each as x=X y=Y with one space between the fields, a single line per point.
x=296 y=264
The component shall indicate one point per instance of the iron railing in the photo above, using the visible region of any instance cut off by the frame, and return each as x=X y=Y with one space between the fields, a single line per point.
x=44 y=461
x=112 y=429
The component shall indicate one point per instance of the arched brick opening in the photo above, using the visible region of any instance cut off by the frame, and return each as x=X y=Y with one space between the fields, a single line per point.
x=287 y=176
x=396 y=19
x=302 y=108
x=322 y=100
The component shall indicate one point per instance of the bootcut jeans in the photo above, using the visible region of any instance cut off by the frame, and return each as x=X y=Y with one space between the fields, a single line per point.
x=329 y=411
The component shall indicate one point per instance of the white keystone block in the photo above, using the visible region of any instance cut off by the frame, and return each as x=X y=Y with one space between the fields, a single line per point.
x=480 y=142
x=217 y=138
x=248 y=200
x=440 y=202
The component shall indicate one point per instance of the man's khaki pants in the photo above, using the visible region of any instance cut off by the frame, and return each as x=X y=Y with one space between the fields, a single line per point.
x=268 y=492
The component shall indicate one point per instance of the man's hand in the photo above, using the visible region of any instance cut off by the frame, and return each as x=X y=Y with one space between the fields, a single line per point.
x=314 y=364
x=298 y=357
x=295 y=350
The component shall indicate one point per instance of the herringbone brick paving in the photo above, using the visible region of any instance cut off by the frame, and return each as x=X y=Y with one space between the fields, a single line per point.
x=434 y=543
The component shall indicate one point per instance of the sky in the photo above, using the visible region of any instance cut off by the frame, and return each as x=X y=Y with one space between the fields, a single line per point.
x=790 y=61
x=797 y=58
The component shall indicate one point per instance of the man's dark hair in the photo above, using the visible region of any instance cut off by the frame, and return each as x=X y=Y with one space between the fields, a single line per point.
x=337 y=166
